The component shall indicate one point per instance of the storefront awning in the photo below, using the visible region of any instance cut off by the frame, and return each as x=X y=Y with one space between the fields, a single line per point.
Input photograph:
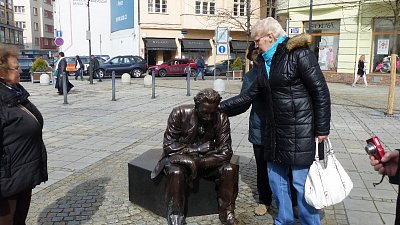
x=196 y=45
x=160 y=43
x=239 y=46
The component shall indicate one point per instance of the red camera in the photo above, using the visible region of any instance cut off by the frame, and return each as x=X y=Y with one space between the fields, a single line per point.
x=374 y=148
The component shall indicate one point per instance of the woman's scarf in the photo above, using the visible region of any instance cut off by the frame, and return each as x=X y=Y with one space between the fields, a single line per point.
x=267 y=55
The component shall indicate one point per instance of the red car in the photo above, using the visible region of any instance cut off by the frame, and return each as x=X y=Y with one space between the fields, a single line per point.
x=174 y=67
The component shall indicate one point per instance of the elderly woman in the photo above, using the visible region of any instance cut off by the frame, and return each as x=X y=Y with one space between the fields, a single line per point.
x=297 y=112
x=23 y=162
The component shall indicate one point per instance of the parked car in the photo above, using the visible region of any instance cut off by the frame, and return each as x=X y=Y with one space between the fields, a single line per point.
x=26 y=65
x=134 y=65
x=220 y=69
x=174 y=67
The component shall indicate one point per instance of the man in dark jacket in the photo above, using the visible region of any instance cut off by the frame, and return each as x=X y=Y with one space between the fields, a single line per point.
x=61 y=66
x=200 y=68
x=390 y=165
x=197 y=142
x=95 y=67
x=297 y=113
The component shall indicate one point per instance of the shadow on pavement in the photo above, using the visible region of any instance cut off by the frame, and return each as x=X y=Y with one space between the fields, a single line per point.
x=78 y=205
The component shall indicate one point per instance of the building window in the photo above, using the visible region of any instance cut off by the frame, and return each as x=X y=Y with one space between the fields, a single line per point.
x=49 y=28
x=35 y=26
x=48 y=14
x=2 y=2
x=47 y=2
x=19 y=9
x=10 y=4
x=383 y=40
x=205 y=7
x=271 y=13
x=326 y=42
x=239 y=8
x=37 y=41
x=2 y=35
x=35 y=11
x=156 y=6
x=20 y=24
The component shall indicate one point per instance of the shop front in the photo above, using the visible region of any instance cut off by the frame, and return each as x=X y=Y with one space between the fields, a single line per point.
x=158 y=50
x=325 y=46
x=238 y=49
x=383 y=41
x=194 y=48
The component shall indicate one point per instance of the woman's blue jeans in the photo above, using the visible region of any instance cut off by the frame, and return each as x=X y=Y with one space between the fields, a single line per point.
x=279 y=182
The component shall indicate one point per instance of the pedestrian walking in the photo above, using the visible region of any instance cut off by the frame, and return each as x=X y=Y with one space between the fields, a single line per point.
x=95 y=67
x=79 y=68
x=23 y=153
x=200 y=68
x=297 y=111
x=361 y=71
x=62 y=71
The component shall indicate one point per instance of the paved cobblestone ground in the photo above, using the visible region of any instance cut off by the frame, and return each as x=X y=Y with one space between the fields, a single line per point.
x=91 y=140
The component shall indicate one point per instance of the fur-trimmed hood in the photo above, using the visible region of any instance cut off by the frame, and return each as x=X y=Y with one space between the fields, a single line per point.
x=298 y=41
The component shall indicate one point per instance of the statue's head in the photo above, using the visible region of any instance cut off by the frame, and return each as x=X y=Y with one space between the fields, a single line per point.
x=206 y=102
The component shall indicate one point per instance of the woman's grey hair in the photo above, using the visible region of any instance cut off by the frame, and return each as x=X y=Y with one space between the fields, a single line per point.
x=265 y=26
x=207 y=95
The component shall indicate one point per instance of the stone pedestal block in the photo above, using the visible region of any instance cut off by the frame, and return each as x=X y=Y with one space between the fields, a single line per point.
x=126 y=78
x=44 y=79
x=149 y=193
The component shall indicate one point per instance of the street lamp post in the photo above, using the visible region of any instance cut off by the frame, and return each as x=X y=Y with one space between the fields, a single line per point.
x=88 y=37
x=310 y=18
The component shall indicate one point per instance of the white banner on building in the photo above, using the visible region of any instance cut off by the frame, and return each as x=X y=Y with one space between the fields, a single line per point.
x=383 y=47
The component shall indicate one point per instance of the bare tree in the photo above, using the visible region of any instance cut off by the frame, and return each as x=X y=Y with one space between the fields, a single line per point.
x=238 y=18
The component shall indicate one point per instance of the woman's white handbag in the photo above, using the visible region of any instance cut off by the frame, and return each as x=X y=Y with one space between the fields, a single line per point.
x=329 y=186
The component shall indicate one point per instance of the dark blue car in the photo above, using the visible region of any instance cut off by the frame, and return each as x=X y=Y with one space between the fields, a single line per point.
x=134 y=65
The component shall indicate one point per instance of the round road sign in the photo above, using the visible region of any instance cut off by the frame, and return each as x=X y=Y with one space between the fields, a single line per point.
x=58 y=41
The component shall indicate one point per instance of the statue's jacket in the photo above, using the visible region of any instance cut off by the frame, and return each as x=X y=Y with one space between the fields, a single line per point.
x=183 y=131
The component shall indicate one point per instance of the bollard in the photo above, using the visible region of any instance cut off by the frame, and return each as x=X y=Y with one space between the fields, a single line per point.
x=64 y=79
x=113 y=86
x=153 y=85
x=188 y=80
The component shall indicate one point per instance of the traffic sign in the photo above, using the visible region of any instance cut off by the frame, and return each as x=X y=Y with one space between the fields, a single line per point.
x=222 y=48
x=58 y=33
x=58 y=41
x=222 y=35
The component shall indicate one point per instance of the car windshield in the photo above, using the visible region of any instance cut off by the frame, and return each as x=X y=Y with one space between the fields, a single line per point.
x=25 y=62
x=70 y=60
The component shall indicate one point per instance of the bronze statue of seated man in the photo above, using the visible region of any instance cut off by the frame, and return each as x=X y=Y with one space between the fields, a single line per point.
x=197 y=143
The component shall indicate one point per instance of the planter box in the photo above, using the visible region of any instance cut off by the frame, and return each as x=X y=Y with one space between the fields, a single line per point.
x=234 y=75
x=35 y=76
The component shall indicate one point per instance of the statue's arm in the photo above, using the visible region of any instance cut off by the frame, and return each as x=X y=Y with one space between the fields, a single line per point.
x=223 y=144
x=171 y=144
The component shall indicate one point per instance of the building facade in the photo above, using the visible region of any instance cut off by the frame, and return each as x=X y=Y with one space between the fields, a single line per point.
x=186 y=29
x=9 y=33
x=343 y=30
x=37 y=20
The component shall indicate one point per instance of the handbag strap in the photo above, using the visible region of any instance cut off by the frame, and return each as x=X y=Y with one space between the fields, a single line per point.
x=327 y=146
x=316 y=157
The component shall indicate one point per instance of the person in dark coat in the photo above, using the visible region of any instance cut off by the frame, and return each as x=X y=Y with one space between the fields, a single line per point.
x=390 y=165
x=257 y=125
x=297 y=113
x=95 y=67
x=23 y=157
x=200 y=68
x=361 y=71
x=79 y=68
x=197 y=142
x=61 y=66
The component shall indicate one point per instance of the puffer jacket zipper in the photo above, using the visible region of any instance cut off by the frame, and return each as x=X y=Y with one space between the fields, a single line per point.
x=28 y=112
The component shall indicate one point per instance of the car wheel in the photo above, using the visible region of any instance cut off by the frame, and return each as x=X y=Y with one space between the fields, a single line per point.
x=136 y=73
x=217 y=72
x=162 y=73
x=102 y=73
x=193 y=72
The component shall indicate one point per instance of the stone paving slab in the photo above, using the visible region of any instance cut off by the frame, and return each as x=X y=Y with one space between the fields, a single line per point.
x=91 y=140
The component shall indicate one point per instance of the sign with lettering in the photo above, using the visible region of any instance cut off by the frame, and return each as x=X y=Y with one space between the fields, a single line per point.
x=122 y=15
x=325 y=26
x=294 y=30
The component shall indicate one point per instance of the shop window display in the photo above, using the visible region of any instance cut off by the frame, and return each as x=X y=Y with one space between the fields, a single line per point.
x=326 y=42
x=382 y=45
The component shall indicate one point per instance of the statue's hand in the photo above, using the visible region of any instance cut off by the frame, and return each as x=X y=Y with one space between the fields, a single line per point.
x=202 y=148
x=190 y=162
